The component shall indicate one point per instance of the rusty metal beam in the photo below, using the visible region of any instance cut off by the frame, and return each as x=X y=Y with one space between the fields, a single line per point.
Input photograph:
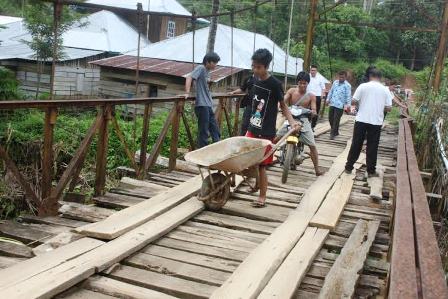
x=29 y=192
x=441 y=50
x=7 y=105
x=379 y=26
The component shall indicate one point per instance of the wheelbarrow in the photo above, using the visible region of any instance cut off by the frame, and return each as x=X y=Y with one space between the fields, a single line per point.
x=225 y=159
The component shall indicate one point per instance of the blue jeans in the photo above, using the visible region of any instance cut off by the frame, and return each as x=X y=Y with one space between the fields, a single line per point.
x=207 y=125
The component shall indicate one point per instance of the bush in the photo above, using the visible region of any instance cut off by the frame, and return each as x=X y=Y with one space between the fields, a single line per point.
x=8 y=85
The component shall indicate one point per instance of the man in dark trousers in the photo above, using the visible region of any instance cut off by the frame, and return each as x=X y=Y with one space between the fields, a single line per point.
x=339 y=99
x=373 y=99
x=207 y=125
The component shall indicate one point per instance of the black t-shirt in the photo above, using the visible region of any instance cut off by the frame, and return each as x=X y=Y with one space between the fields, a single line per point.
x=246 y=87
x=265 y=97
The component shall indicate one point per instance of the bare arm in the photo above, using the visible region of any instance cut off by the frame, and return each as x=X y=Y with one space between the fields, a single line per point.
x=239 y=90
x=388 y=108
x=188 y=82
x=287 y=97
x=313 y=103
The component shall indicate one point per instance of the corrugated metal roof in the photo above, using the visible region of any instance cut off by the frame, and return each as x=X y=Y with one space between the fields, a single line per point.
x=180 y=48
x=22 y=51
x=102 y=31
x=163 y=6
x=162 y=66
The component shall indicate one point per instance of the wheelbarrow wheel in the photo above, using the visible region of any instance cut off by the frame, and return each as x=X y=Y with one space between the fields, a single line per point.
x=216 y=201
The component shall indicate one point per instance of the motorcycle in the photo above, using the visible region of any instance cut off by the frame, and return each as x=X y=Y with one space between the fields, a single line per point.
x=292 y=152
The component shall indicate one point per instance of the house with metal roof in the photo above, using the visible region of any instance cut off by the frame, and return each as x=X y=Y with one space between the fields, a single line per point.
x=168 y=19
x=181 y=48
x=164 y=65
x=99 y=35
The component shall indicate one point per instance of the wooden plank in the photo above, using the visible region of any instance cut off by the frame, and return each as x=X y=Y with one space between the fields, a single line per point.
x=344 y=274
x=243 y=208
x=376 y=184
x=329 y=213
x=403 y=275
x=120 y=289
x=242 y=240
x=203 y=249
x=144 y=185
x=39 y=264
x=244 y=235
x=433 y=283
x=290 y=274
x=215 y=263
x=125 y=220
x=52 y=220
x=23 y=233
x=209 y=240
x=171 y=285
x=83 y=294
x=264 y=260
x=15 y=250
x=177 y=269
x=6 y=262
x=60 y=278
x=87 y=213
x=235 y=222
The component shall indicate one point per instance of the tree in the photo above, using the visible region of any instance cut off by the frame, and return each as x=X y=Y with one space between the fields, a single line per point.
x=415 y=49
x=213 y=27
x=39 y=22
x=350 y=42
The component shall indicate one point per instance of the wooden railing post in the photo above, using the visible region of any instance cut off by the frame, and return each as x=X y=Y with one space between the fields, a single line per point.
x=47 y=158
x=101 y=151
x=175 y=135
x=188 y=131
x=236 y=120
x=144 y=143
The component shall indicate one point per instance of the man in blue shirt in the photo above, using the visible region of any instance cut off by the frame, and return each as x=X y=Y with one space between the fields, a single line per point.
x=339 y=98
x=207 y=125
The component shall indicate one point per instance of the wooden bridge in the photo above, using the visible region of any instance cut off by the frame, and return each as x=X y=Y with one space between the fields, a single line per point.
x=318 y=237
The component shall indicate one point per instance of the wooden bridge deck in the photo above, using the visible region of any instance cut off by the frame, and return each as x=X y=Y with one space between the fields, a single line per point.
x=195 y=258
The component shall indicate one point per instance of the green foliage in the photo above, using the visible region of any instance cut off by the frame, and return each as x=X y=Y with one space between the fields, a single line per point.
x=348 y=42
x=39 y=22
x=8 y=85
x=11 y=8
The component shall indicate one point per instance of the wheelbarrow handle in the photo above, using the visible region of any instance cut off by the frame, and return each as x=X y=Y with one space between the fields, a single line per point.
x=279 y=143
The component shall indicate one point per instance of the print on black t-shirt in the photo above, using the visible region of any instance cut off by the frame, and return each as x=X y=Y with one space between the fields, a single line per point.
x=260 y=101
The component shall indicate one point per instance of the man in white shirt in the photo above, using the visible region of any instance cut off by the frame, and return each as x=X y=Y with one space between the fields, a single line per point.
x=372 y=99
x=317 y=87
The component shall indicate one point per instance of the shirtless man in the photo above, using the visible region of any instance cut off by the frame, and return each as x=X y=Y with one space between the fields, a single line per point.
x=299 y=97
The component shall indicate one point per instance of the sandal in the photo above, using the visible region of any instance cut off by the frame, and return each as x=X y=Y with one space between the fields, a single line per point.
x=257 y=204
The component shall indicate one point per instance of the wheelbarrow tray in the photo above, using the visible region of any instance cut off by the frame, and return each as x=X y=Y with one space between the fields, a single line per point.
x=233 y=154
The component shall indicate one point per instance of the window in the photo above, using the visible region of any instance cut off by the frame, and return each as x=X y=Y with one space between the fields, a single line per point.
x=171 y=30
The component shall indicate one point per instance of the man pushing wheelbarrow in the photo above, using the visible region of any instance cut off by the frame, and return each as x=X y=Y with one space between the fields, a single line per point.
x=240 y=155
